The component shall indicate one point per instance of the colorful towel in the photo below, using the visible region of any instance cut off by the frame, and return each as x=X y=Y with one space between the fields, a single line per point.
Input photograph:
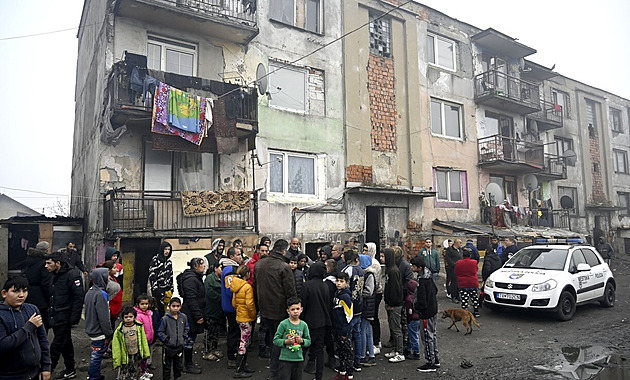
x=161 y=116
x=184 y=110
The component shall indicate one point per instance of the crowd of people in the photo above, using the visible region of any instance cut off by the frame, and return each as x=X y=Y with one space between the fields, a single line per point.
x=307 y=312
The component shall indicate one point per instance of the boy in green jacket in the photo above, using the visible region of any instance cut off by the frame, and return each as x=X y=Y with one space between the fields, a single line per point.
x=292 y=335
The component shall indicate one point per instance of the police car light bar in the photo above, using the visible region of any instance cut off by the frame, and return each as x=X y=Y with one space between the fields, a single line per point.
x=560 y=241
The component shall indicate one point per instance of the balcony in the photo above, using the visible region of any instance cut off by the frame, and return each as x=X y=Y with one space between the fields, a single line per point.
x=549 y=117
x=136 y=213
x=505 y=155
x=228 y=20
x=506 y=93
x=554 y=169
x=129 y=107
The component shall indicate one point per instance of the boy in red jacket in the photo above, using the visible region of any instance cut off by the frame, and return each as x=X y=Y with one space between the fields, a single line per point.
x=467 y=281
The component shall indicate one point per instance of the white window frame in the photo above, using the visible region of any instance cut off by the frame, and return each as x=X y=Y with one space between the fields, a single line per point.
x=448 y=185
x=276 y=89
x=285 y=174
x=174 y=45
x=432 y=39
x=623 y=155
x=444 y=103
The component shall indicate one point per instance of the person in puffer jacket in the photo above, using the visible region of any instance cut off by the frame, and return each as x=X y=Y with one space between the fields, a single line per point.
x=413 y=321
x=243 y=303
x=369 y=310
x=145 y=316
x=24 y=349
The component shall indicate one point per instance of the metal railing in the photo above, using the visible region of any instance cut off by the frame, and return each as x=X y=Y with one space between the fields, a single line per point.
x=497 y=83
x=496 y=147
x=549 y=111
x=128 y=211
x=234 y=9
x=554 y=165
x=553 y=218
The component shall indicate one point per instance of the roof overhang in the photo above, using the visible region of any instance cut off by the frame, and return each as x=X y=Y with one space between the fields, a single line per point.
x=502 y=43
x=467 y=229
x=390 y=191
x=58 y=220
x=537 y=73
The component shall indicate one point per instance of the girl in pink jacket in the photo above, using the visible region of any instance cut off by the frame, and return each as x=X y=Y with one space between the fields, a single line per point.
x=145 y=315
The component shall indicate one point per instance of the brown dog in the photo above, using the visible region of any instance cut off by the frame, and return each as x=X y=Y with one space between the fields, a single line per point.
x=457 y=315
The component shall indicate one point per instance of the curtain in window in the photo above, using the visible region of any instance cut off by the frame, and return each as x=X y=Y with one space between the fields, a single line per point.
x=195 y=171
x=276 y=175
x=301 y=175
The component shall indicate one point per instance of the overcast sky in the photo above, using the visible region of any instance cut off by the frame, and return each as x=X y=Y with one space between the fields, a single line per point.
x=587 y=41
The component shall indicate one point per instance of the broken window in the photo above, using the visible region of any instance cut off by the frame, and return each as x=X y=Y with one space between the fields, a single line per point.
x=171 y=56
x=380 y=35
x=615 y=116
x=292 y=173
x=449 y=185
x=287 y=87
x=620 y=161
x=304 y=14
x=446 y=118
x=441 y=51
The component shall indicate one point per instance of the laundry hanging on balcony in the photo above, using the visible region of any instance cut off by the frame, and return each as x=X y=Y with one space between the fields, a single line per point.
x=199 y=203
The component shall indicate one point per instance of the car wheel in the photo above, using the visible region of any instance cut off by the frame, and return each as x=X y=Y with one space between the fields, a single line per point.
x=566 y=306
x=609 y=296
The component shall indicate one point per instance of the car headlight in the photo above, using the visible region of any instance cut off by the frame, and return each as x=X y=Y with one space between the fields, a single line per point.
x=489 y=283
x=545 y=286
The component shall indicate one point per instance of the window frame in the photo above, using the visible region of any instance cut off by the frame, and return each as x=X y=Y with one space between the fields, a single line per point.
x=566 y=107
x=174 y=45
x=620 y=195
x=303 y=5
x=275 y=68
x=285 y=174
x=615 y=115
x=387 y=24
x=562 y=143
x=617 y=153
x=444 y=103
x=436 y=53
x=463 y=188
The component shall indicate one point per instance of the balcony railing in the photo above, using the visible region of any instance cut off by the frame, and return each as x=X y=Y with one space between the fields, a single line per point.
x=549 y=117
x=553 y=218
x=234 y=9
x=555 y=168
x=136 y=211
x=507 y=92
x=499 y=148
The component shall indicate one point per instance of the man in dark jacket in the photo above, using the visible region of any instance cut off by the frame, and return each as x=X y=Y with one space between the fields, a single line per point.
x=316 y=313
x=73 y=257
x=97 y=322
x=491 y=262
x=393 y=296
x=426 y=306
x=605 y=250
x=24 y=350
x=452 y=255
x=39 y=279
x=194 y=295
x=273 y=286
x=510 y=249
x=66 y=303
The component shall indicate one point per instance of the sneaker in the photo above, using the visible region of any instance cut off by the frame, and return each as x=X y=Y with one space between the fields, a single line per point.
x=377 y=350
x=477 y=315
x=210 y=356
x=357 y=366
x=397 y=359
x=391 y=354
x=428 y=367
x=67 y=375
x=448 y=295
x=412 y=356
x=437 y=362
x=370 y=362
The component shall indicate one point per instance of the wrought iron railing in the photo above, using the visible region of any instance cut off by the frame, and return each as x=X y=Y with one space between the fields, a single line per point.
x=496 y=147
x=554 y=165
x=553 y=218
x=231 y=9
x=128 y=211
x=497 y=83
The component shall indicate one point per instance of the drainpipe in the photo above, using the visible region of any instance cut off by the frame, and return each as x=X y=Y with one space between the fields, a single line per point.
x=255 y=194
x=293 y=221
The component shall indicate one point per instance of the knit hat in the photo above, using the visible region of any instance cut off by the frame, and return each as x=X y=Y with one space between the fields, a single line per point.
x=43 y=245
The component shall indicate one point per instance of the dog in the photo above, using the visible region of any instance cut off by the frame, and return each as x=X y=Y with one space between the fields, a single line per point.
x=457 y=315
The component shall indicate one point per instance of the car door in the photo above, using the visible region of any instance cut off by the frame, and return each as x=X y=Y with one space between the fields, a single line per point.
x=598 y=270
x=582 y=281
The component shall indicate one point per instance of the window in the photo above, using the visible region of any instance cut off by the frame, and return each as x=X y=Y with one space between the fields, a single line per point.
x=303 y=14
x=563 y=144
x=177 y=170
x=446 y=118
x=380 y=36
x=171 y=56
x=620 y=161
x=615 y=116
x=570 y=192
x=441 y=51
x=591 y=258
x=561 y=98
x=449 y=185
x=624 y=201
x=291 y=173
x=591 y=117
x=287 y=86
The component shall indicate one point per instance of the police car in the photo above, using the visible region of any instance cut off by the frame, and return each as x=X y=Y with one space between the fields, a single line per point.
x=553 y=275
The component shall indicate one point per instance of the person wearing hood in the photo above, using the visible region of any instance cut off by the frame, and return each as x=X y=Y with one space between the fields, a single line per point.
x=425 y=304
x=24 y=350
x=114 y=292
x=605 y=249
x=379 y=278
x=393 y=295
x=369 y=310
x=66 y=304
x=230 y=265
x=243 y=303
x=113 y=255
x=97 y=323
x=474 y=252
x=212 y=258
x=317 y=307
x=491 y=262
x=356 y=275
x=39 y=279
x=191 y=289
x=161 y=276
x=213 y=315
x=413 y=321
x=331 y=282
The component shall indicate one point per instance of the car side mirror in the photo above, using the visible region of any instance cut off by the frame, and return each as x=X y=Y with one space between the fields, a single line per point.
x=583 y=267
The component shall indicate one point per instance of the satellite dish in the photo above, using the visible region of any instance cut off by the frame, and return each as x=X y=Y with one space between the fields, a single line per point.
x=566 y=202
x=261 y=79
x=570 y=158
x=262 y=154
x=494 y=193
x=531 y=182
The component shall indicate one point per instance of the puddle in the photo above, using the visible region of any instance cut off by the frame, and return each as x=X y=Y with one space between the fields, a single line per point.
x=586 y=363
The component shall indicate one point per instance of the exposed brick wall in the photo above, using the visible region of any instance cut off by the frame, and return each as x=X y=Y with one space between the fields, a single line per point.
x=381 y=87
x=597 y=192
x=359 y=173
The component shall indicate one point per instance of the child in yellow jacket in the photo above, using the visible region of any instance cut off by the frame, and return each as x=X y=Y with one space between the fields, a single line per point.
x=243 y=302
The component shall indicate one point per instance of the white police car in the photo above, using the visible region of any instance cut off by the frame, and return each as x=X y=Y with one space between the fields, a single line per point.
x=552 y=275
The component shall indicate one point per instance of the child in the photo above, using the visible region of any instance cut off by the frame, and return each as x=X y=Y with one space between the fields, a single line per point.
x=26 y=353
x=213 y=314
x=341 y=317
x=243 y=302
x=298 y=275
x=292 y=335
x=413 y=321
x=155 y=322
x=129 y=346
x=426 y=306
x=97 y=323
x=173 y=328
x=145 y=315
x=303 y=265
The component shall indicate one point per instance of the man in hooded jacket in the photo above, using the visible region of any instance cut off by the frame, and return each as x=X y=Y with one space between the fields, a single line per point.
x=39 y=279
x=161 y=277
x=97 y=323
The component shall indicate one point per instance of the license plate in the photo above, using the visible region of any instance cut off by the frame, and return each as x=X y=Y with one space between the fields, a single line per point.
x=508 y=296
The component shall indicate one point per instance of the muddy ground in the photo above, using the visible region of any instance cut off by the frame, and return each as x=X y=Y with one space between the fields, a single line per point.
x=509 y=345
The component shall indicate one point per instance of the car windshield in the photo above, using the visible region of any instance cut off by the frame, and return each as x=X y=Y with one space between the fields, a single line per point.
x=539 y=258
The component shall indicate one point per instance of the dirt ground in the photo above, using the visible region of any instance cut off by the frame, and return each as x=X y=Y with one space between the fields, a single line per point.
x=509 y=345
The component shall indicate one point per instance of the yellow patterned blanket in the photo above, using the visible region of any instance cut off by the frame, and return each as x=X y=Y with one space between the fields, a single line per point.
x=198 y=203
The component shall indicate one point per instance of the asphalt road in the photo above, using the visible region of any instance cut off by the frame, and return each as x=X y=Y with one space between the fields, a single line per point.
x=509 y=345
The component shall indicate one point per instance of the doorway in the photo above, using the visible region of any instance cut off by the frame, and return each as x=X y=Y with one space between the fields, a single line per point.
x=374 y=226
